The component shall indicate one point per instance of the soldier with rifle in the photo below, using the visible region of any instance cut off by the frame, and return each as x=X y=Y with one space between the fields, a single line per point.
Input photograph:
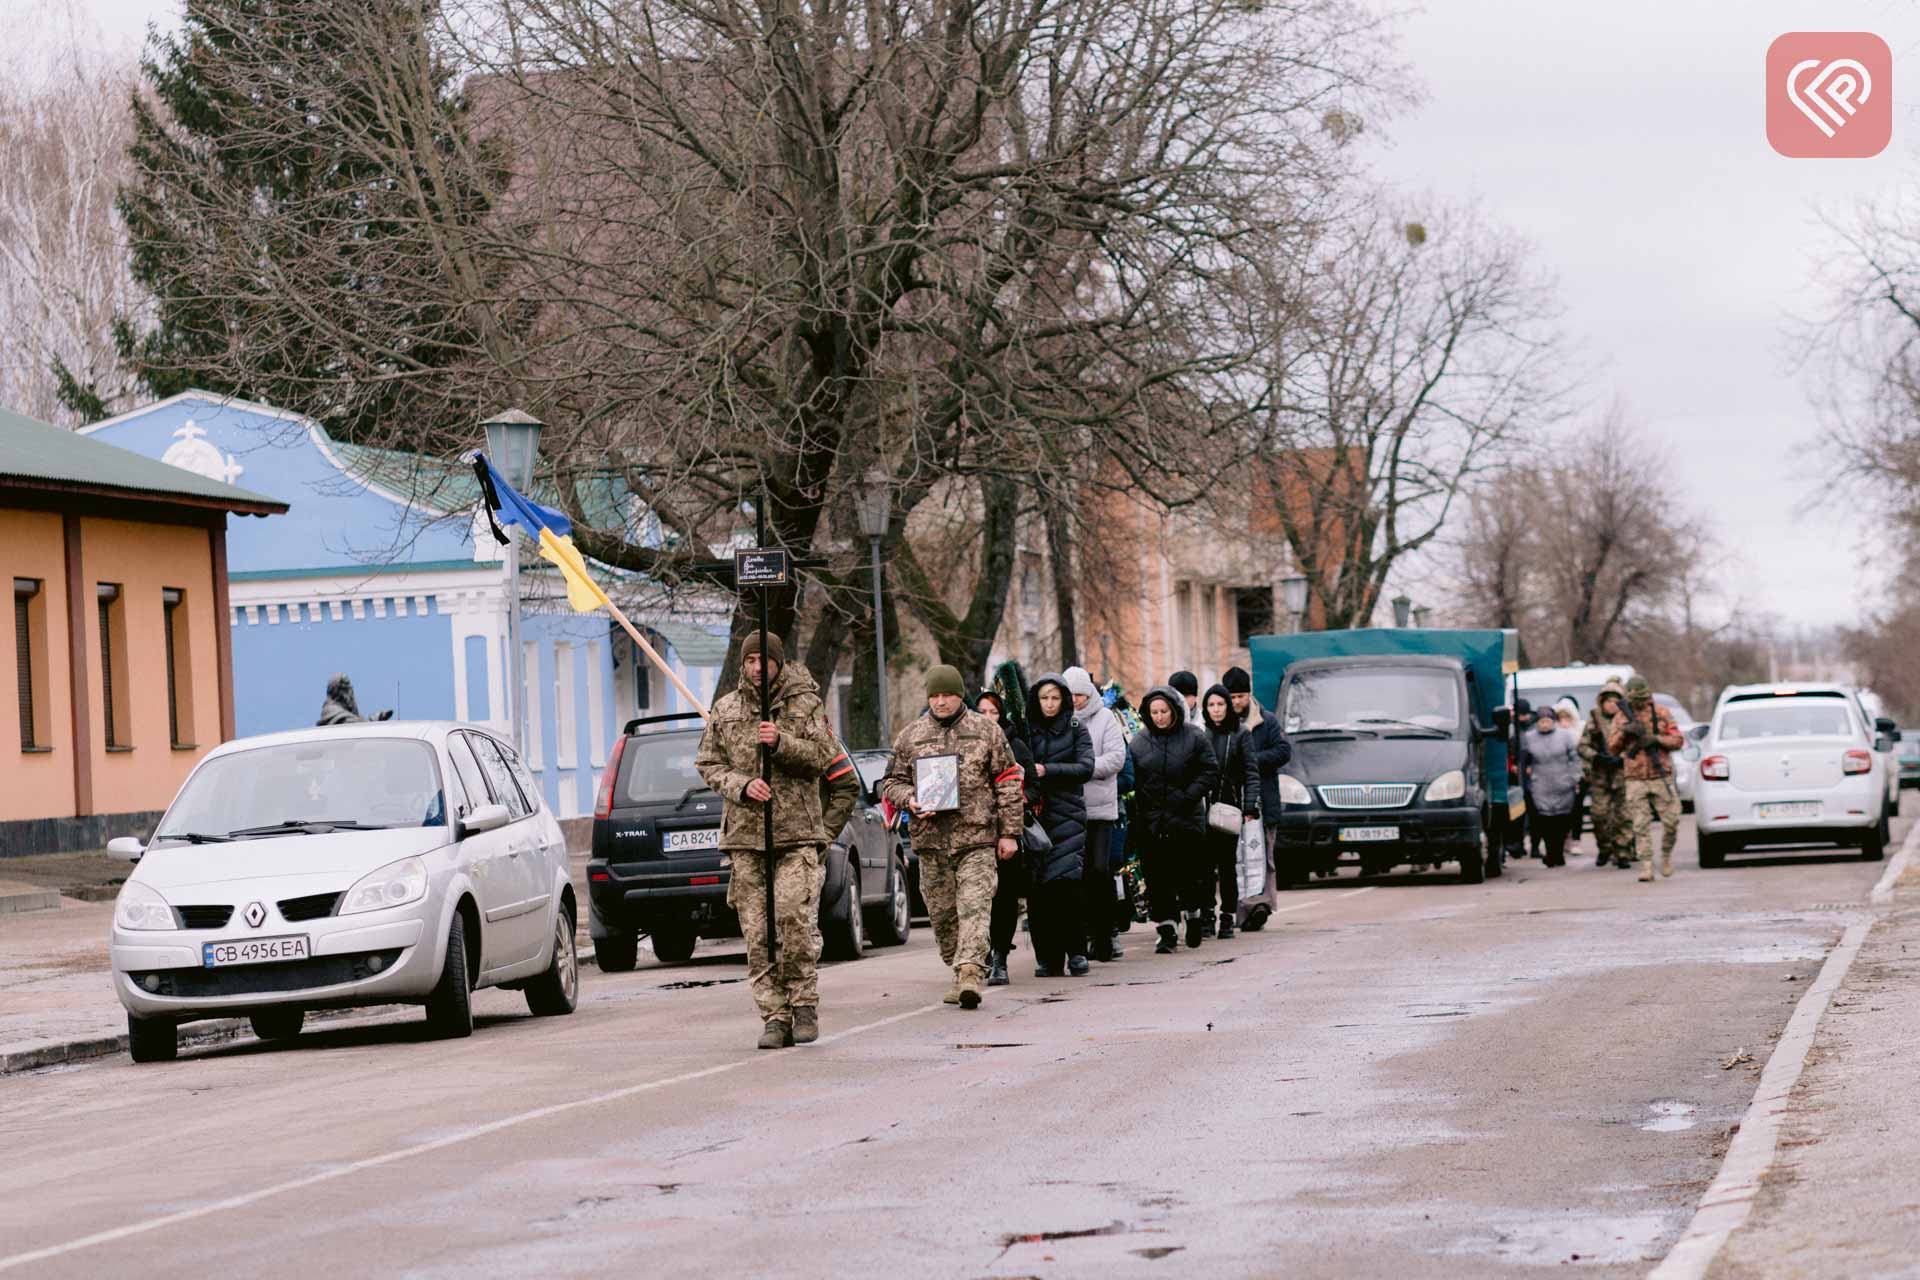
x=1606 y=785
x=1644 y=735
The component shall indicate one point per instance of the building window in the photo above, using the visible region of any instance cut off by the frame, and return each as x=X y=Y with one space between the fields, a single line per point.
x=565 y=740
x=115 y=692
x=173 y=614
x=530 y=700
x=1253 y=607
x=596 y=708
x=30 y=655
x=1182 y=626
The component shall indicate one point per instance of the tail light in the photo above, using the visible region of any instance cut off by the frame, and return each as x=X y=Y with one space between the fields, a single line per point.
x=1714 y=768
x=1857 y=762
x=603 y=807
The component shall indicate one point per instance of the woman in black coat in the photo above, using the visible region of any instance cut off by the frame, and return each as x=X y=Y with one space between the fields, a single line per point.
x=1013 y=883
x=1062 y=764
x=1238 y=784
x=1173 y=773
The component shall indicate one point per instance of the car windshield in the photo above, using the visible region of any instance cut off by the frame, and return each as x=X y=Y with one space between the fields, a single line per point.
x=1786 y=718
x=1378 y=699
x=659 y=766
x=299 y=787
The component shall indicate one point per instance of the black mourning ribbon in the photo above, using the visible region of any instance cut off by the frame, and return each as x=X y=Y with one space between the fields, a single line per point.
x=490 y=496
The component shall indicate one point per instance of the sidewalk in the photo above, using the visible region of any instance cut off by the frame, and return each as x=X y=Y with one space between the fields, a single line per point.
x=56 y=996
x=1842 y=1200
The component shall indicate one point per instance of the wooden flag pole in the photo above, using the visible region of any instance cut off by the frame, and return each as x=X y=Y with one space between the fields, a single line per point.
x=659 y=661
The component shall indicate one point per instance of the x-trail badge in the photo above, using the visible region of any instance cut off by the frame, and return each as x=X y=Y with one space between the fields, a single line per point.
x=256 y=915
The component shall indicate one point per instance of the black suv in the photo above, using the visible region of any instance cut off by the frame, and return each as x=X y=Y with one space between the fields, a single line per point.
x=657 y=868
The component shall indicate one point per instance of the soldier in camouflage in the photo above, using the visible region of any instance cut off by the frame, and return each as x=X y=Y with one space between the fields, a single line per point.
x=959 y=848
x=1644 y=735
x=795 y=732
x=1606 y=785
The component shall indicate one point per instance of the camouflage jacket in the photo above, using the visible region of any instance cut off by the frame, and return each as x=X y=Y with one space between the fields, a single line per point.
x=990 y=783
x=729 y=759
x=839 y=790
x=1649 y=762
x=1593 y=744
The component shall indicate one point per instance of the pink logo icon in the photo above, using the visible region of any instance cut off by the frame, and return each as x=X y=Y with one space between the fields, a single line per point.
x=1829 y=94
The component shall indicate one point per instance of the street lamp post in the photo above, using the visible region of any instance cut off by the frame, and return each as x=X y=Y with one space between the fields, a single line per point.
x=1293 y=596
x=1402 y=610
x=872 y=504
x=513 y=440
x=1420 y=613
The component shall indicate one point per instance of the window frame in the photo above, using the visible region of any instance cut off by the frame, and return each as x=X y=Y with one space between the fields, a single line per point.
x=116 y=720
x=30 y=657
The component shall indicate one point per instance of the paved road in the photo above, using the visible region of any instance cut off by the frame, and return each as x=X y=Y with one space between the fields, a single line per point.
x=1406 y=1077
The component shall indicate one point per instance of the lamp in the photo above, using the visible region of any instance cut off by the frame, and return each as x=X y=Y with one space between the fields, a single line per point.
x=513 y=439
x=1402 y=609
x=1420 y=613
x=873 y=507
x=1293 y=596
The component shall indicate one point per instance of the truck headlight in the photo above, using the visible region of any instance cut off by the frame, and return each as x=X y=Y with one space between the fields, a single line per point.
x=1293 y=791
x=1451 y=785
x=141 y=907
x=393 y=885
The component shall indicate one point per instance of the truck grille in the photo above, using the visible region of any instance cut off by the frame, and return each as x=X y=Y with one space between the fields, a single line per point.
x=1368 y=795
x=311 y=907
x=204 y=917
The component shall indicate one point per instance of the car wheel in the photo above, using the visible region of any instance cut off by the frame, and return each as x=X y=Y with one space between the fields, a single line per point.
x=557 y=991
x=897 y=920
x=1473 y=868
x=846 y=937
x=277 y=1024
x=450 y=1003
x=152 y=1039
x=616 y=953
x=1874 y=847
x=1713 y=852
x=673 y=946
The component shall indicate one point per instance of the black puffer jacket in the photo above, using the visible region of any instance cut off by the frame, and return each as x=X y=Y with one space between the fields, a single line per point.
x=1239 y=780
x=1173 y=771
x=1063 y=745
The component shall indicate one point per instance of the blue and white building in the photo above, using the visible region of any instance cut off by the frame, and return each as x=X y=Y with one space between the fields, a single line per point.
x=398 y=583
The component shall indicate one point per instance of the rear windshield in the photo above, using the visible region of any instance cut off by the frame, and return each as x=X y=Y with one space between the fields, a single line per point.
x=1375 y=698
x=659 y=766
x=1811 y=717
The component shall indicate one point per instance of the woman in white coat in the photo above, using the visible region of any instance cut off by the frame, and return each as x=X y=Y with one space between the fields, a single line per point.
x=1103 y=809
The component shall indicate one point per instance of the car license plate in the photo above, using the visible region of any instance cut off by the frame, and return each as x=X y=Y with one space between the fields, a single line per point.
x=1790 y=809
x=676 y=841
x=1369 y=833
x=214 y=955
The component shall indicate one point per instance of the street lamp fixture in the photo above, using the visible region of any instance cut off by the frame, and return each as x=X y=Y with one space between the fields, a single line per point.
x=1420 y=614
x=1293 y=597
x=873 y=507
x=513 y=440
x=1402 y=610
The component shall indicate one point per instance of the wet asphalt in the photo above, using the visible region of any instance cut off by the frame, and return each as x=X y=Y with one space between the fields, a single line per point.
x=1403 y=1076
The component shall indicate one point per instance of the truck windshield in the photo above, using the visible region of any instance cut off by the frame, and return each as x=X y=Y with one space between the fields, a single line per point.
x=659 y=766
x=1376 y=699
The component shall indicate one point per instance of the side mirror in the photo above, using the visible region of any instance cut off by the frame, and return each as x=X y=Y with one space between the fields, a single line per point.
x=125 y=849
x=1502 y=720
x=1698 y=732
x=1889 y=727
x=486 y=817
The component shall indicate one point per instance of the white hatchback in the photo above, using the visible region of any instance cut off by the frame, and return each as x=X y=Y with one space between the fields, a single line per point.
x=359 y=864
x=1789 y=764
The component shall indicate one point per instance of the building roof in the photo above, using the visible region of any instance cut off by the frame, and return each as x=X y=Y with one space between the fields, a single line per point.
x=40 y=456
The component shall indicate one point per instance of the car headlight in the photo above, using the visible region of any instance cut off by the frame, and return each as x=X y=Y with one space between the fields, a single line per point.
x=1451 y=785
x=141 y=907
x=393 y=885
x=1293 y=791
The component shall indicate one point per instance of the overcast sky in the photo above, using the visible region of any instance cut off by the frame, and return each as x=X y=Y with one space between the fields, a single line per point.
x=1627 y=144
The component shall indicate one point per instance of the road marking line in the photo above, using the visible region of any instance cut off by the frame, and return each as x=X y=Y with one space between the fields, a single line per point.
x=1883 y=891
x=1729 y=1201
x=403 y=1153
x=1280 y=911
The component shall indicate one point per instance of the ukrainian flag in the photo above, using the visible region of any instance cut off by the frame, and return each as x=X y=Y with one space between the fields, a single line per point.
x=550 y=528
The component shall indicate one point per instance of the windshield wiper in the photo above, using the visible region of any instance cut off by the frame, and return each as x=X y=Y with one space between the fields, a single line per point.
x=1406 y=724
x=306 y=827
x=1334 y=728
x=193 y=837
x=689 y=794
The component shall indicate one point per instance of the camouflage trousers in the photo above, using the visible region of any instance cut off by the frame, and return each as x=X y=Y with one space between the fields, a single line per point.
x=791 y=977
x=959 y=889
x=1647 y=801
x=1607 y=800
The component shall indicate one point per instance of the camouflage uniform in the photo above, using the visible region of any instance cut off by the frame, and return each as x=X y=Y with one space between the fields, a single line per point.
x=728 y=760
x=1649 y=776
x=958 y=864
x=1606 y=785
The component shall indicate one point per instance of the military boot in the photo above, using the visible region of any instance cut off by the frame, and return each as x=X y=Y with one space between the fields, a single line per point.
x=806 y=1024
x=953 y=992
x=1226 y=926
x=778 y=1034
x=1666 y=864
x=970 y=979
x=1646 y=871
x=996 y=972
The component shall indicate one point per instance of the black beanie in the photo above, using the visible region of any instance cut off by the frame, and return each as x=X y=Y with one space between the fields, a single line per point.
x=1237 y=681
x=1186 y=683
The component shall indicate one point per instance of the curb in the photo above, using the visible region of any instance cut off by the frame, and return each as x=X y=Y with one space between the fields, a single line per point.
x=33 y=1056
x=30 y=900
